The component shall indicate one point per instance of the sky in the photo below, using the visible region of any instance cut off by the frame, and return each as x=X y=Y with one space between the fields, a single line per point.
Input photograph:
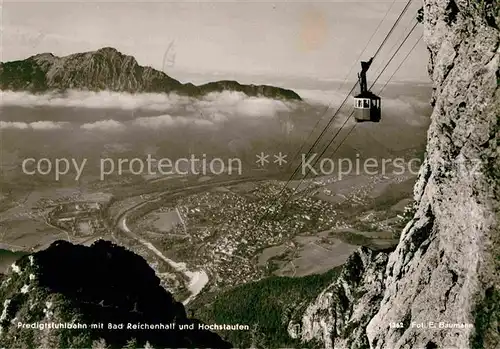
x=200 y=41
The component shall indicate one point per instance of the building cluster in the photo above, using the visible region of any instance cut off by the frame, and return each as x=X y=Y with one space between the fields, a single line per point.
x=237 y=226
x=78 y=218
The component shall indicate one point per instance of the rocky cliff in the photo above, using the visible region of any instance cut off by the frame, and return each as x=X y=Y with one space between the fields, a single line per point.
x=339 y=315
x=109 y=69
x=86 y=286
x=440 y=288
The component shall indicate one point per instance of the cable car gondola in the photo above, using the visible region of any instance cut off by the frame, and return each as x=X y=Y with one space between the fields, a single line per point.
x=366 y=104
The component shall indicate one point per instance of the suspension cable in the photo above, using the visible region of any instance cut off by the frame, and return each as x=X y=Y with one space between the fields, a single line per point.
x=336 y=112
x=340 y=87
x=347 y=119
x=386 y=83
x=400 y=64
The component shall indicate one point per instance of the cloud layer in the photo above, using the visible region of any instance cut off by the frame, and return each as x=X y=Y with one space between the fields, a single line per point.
x=150 y=111
x=174 y=110
x=104 y=125
x=155 y=122
x=236 y=102
x=37 y=125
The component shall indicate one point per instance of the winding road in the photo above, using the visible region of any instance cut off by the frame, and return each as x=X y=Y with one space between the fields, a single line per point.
x=197 y=279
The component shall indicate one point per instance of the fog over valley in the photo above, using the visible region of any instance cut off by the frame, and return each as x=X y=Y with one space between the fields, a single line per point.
x=93 y=125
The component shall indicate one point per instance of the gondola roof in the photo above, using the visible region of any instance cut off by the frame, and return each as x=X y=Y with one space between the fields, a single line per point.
x=367 y=94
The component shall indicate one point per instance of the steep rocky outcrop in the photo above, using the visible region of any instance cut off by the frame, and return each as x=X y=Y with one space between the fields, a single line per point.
x=109 y=69
x=445 y=270
x=339 y=315
x=103 y=283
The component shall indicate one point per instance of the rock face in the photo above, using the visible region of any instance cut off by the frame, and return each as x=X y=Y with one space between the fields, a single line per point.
x=445 y=269
x=108 y=69
x=339 y=315
x=103 y=283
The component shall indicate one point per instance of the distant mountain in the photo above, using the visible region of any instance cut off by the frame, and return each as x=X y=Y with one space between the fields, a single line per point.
x=109 y=69
x=101 y=284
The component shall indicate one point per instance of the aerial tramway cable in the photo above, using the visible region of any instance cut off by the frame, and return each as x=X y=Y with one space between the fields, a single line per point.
x=337 y=111
x=401 y=64
x=342 y=85
x=347 y=119
x=329 y=104
x=403 y=33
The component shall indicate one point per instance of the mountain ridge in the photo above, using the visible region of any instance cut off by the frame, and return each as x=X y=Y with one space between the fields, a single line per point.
x=109 y=69
x=83 y=285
